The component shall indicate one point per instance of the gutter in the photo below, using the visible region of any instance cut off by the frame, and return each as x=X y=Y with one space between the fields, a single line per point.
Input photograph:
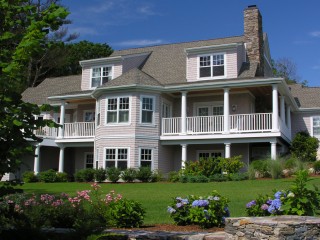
x=76 y=96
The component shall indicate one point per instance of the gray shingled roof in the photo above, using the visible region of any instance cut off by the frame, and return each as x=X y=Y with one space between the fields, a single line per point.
x=50 y=87
x=167 y=63
x=132 y=77
x=306 y=97
x=248 y=70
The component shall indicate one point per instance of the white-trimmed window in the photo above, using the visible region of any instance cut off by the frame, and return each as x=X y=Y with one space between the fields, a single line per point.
x=117 y=157
x=100 y=75
x=316 y=126
x=147 y=109
x=212 y=65
x=146 y=156
x=166 y=110
x=88 y=160
x=89 y=116
x=205 y=154
x=118 y=110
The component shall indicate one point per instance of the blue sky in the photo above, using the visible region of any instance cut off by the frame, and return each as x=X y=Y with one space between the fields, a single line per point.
x=293 y=27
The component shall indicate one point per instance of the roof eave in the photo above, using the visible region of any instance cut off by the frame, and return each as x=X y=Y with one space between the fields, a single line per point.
x=64 y=97
x=205 y=49
x=100 y=61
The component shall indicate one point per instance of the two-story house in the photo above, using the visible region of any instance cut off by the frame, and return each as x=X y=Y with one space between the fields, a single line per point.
x=161 y=106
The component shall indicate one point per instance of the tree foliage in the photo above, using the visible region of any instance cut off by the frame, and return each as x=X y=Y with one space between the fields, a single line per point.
x=304 y=147
x=24 y=28
x=287 y=69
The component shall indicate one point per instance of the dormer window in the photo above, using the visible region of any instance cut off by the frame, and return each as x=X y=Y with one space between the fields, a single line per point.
x=211 y=66
x=100 y=75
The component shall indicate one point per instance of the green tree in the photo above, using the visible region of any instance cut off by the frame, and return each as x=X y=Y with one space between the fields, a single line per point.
x=79 y=51
x=23 y=31
x=304 y=147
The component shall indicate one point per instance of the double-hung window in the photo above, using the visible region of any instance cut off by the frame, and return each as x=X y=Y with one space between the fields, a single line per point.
x=211 y=66
x=117 y=157
x=147 y=109
x=118 y=110
x=100 y=75
x=316 y=127
x=146 y=157
x=209 y=154
x=89 y=160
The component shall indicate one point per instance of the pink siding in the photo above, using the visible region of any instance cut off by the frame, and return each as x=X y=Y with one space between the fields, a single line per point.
x=300 y=122
x=192 y=68
x=117 y=70
x=133 y=62
x=231 y=64
x=241 y=57
x=85 y=81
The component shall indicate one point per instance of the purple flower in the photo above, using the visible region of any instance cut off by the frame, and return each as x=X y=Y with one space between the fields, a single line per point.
x=179 y=205
x=171 y=210
x=184 y=201
x=200 y=203
x=250 y=204
x=275 y=206
x=278 y=194
x=264 y=206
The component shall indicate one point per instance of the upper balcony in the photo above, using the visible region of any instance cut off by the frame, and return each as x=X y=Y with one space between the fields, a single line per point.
x=70 y=131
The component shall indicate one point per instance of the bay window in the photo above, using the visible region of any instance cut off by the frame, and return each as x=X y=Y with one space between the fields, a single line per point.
x=118 y=110
x=147 y=109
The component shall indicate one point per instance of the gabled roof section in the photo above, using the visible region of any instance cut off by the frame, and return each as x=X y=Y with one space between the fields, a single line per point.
x=134 y=77
x=52 y=86
x=167 y=63
x=306 y=97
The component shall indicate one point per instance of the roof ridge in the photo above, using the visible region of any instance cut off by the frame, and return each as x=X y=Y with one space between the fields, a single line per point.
x=166 y=44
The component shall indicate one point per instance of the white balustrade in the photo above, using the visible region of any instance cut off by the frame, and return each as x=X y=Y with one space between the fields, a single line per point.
x=79 y=129
x=255 y=122
x=171 y=126
x=47 y=132
x=205 y=124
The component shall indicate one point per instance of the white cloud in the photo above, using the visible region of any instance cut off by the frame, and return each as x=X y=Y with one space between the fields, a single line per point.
x=146 y=10
x=315 y=34
x=139 y=43
x=84 y=31
x=102 y=8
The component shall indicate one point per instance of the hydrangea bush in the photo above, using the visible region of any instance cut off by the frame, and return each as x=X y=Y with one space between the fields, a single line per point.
x=297 y=200
x=207 y=211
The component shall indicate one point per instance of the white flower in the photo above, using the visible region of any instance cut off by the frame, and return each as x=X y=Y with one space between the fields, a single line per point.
x=291 y=194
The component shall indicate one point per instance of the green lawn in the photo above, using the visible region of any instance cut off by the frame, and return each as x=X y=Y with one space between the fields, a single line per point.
x=155 y=197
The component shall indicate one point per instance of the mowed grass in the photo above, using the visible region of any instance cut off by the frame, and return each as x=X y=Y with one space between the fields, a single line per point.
x=155 y=197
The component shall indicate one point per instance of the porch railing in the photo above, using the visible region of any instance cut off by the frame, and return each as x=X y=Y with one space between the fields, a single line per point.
x=79 y=129
x=239 y=123
x=256 y=122
x=47 y=132
x=205 y=124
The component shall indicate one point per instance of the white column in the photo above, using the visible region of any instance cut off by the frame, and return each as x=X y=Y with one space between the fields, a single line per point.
x=282 y=109
x=289 y=118
x=61 y=159
x=36 y=165
x=184 y=112
x=227 y=147
x=183 y=155
x=273 y=150
x=62 y=114
x=275 y=110
x=226 y=129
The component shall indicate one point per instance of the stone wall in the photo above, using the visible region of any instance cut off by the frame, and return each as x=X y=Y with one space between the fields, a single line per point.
x=271 y=228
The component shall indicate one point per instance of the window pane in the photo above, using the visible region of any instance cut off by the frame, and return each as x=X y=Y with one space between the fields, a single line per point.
x=89 y=117
x=147 y=116
x=205 y=72
x=122 y=165
x=146 y=164
x=146 y=154
x=105 y=79
x=218 y=70
x=205 y=61
x=204 y=111
x=95 y=82
x=124 y=116
x=147 y=104
x=217 y=110
x=110 y=154
x=112 y=117
x=122 y=153
x=124 y=103
x=110 y=164
x=96 y=72
x=112 y=104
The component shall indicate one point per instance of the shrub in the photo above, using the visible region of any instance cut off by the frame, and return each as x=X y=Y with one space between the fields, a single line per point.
x=29 y=177
x=113 y=174
x=260 y=168
x=173 y=176
x=238 y=176
x=129 y=175
x=275 y=169
x=197 y=179
x=297 y=200
x=100 y=175
x=144 y=174
x=62 y=177
x=316 y=167
x=218 y=178
x=125 y=213
x=231 y=165
x=85 y=175
x=49 y=176
x=304 y=147
x=205 y=211
x=156 y=176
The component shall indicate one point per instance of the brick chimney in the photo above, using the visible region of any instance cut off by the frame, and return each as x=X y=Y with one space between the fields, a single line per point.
x=253 y=36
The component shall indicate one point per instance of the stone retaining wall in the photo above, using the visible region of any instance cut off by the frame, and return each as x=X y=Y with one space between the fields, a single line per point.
x=271 y=228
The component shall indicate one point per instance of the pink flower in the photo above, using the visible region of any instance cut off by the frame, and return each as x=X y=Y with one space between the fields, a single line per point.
x=95 y=186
